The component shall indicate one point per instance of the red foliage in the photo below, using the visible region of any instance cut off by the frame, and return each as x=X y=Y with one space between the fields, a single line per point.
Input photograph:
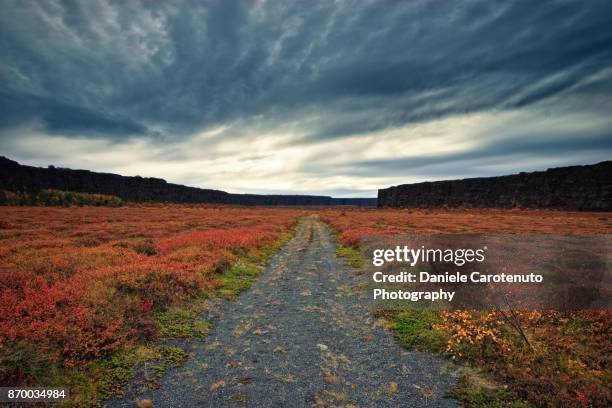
x=358 y=222
x=352 y=236
x=78 y=283
x=569 y=365
x=146 y=305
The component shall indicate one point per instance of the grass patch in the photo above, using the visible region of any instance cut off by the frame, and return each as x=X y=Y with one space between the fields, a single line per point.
x=351 y=255
x=475 y=391
x=182 y=322
x=115 y=371
x=91 y=383
x=99 y=380
x=245 y=271
x=171 y=357
x=174 y=356
x=414 y=329
x=239 y=277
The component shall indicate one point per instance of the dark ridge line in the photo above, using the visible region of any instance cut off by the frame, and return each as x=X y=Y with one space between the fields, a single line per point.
x=30 y=179
x=578 y=188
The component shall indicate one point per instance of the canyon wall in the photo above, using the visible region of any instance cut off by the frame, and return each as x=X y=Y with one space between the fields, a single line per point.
x=582 y=188
x=17 y=177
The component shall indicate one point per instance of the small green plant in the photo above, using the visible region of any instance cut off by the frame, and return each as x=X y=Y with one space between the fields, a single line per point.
x=116 y=370
x=239 y=277
x=474 y=391
x=351 y=255
x=415 y=329
x=174 y=356
x=178 y=322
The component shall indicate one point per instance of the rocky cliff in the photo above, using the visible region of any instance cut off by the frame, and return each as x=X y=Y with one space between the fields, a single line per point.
x=584 y=188
x=17 y=177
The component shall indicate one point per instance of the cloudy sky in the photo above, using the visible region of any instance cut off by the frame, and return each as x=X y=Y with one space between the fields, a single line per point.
x=324 y=97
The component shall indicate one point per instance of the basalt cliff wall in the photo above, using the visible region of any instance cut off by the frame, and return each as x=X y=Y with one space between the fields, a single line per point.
x=582 y=188
x=17 y=177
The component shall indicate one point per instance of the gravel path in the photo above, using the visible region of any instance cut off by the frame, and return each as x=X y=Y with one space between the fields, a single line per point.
x=302 y=336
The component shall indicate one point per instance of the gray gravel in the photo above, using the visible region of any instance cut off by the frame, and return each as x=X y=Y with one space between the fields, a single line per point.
x=302 y=336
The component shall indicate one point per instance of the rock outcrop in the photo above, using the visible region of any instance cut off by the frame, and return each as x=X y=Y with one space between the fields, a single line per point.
x=20 y=178
x=582 y=188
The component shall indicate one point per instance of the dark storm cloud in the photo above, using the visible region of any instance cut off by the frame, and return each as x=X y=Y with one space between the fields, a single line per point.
x=62 y=117
x=166 y=69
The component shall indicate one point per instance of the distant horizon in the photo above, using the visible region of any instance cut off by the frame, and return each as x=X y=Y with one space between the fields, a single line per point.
x=283 y=193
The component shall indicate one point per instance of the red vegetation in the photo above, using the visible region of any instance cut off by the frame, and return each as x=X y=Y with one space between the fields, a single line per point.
x=78 y=283
x=568 y=361
x=354 y=223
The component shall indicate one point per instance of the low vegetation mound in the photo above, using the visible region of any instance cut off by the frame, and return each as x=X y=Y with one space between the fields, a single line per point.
x=58 y=198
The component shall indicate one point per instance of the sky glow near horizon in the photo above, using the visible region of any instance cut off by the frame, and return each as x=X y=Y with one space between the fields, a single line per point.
x=337 y=98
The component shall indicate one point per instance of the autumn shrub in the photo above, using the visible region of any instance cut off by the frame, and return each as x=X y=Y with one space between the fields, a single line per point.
x=457 y=221
x=53 y=197
x=564 y=361
x=14 y=198
x=81 y=283
x=549 y=358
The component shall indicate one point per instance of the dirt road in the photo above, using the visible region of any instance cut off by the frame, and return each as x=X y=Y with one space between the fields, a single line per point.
x=302 y=336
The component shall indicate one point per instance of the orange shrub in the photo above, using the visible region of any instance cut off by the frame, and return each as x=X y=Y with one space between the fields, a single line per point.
x=568 y=361
x=78 y=283
x=355 y=222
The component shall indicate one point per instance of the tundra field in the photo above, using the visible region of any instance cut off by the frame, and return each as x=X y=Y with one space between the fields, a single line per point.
x=88 y=293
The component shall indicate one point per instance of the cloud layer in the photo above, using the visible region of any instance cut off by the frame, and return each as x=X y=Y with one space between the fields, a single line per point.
x=314 y=97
